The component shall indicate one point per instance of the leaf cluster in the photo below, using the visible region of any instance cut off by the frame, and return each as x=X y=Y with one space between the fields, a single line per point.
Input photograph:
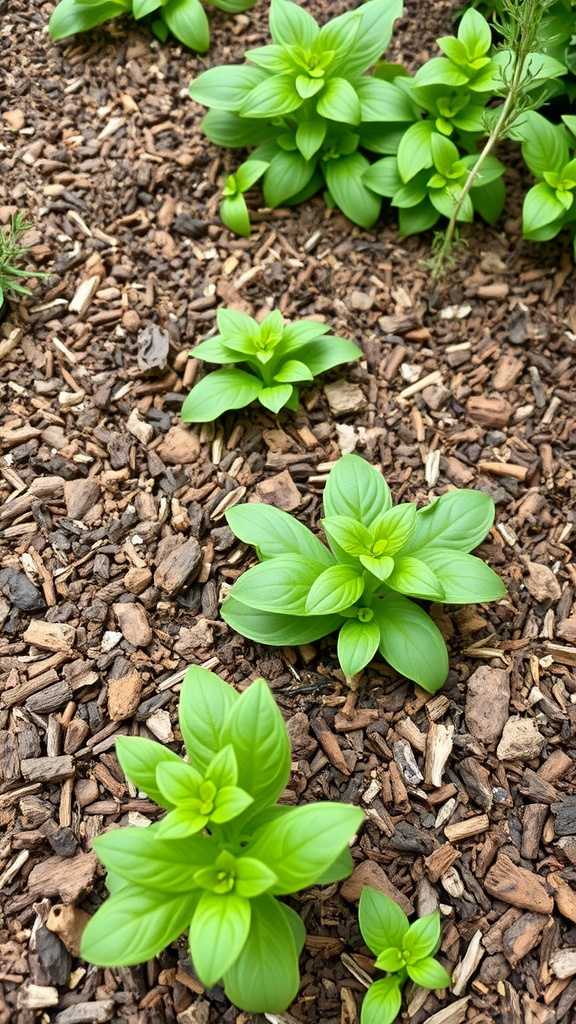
x=12 y=253
x=378 y=557
x=549 y=150
x=185 y=19
x=275 y=361
x=224 y=851
x=401 y=949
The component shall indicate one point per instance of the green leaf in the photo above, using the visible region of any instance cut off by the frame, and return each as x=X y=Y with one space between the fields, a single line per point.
x=179 y=782
x=541 y=207
x=274 y=628
x=445 y=200
x=329 y=352
x=252 y=877
x=302 y=332
x=296 y=925
x=274 y=97
x=181 y=824
x=265 y=978
x=258 y=734
x=139 y=856
x=444 y=154
x=287 y=174
x=249 y=172
x=213 y=350
x=488 y=200
x=382 y=922
x=344 y=180
x=380 y=566
x=339 y=102
x=234 y=214
x=139 y=759
x=440 y=71
x=357 y=645
x=291 y=25
x=70 y=16
x=301 y=845
x=205 y=702
x=278 y=585
x=417 y=219
x=275 y=397
x=465 y=579
x=383 y=176
x=187 y=20
x=226 y=88
x=458 y=520
x=383 y=101
x=134 y=925
x=429 y=973
x=348 y=534
x=309 y=137
x=356 y=489
x=415 y=149
x=390 y=959
x=423 y=936
x=274 y=532
x=228 y=129
x=293 y=370
x=273 y=58
x=218 y=933
x=474 y=32
x=375 y=24
x=412 y=193
x=335 y=589
x=415 y=578
x=410 y=642
x=141 y=8
x=218 y=392
x=230 y=803
x=394 y=527
x=382 y=1002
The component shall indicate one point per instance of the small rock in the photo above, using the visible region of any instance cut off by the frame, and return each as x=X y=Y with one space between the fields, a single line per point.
x=520 y=741
x=436 y=396
x=124 y=690
x=200 y=636
x=489 y=412
x=360 y=300
x=565 y=815
x=179 y=447
x=497 y=290
x=87 y=1013
x=109 y=640
x=133 y=622
x=179 y=567
x=370 y=873
x=344 y=397
x=139 y=428
x=63 y=842
x=20 y=591
x=487 y=699
x=541 y=583
x=279 y=490
x=81 y=496
x=563 y=962
x=160 y=725
x=54 y=956
x=15 y=119
x=153 y=350
x=130 y=321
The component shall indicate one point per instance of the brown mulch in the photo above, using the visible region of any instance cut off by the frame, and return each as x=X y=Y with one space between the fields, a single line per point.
x=469 y=795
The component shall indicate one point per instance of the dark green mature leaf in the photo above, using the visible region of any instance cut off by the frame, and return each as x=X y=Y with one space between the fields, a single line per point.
x=541 y=207
x=309 y=137
x=139 y=759
x=141 y=8
x=382 y=1002
x=344 y=179
x=356 y=489
x=416 y=219
x=226 y=88
x=205 y=703
x=218 y=933
x=489 y=200
x=70 y=16
x=410 y=642
x=415 y=149
x=383 y=176
x=166 y=865
x=465 y=579
x=278 y=585
x=218 y=392
x=458 y=520
x=274 y=628
x=300 y=846
x=134 y=925
x=264 y=978
x=187 y=20
x=273 y=532
x=228 y=129
x=382 y=923
x=357 y=645
x=383 y=101
x=258 y=734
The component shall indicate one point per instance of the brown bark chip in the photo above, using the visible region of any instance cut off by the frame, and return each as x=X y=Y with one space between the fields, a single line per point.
x=124 y=690
x=179 y=567
x=180 y=447
x=489 y=412
x=81 y=496
x=369 y=873
x=518 y=886
x=487 y=699
x=133 y=622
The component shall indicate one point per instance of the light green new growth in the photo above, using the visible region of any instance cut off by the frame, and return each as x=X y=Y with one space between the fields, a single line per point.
x=11 y=254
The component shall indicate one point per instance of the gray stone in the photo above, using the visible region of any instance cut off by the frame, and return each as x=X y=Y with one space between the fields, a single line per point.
x=20 y=591
x=520 y=741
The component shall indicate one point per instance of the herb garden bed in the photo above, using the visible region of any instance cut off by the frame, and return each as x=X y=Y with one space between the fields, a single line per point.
x=115 y=550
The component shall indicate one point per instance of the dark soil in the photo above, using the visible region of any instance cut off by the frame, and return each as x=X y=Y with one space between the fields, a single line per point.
x=468 y=384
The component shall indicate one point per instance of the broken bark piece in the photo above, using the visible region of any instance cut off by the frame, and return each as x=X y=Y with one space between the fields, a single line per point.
x=47 y=769
x=466 y=828
x=556 y=766
x=541 y=583
x=440 y=860
x=563 y=962
x=522 y=936
x=439 y=744
x=565 y=816
x=517 y=886
x=137 y=580
x=532 y=825
x=487 y=700
x=477 y=780
x=344 y=397
x=179 y=567
x=359 y=718
x=81 y=496
x=370 y=873
x=50 y=636
x=564 y=895
x=96 y=1012
x=534 y=786
x=133 y=621
x=153 y=350
x=69 y=878
x=489 y=412
x=124 y=690
x=465 y=969
x=329 y=744
x=279 y=490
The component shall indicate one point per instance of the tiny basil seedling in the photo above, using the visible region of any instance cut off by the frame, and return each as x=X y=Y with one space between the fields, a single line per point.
x=224 y=851
x=401 y=949
x=378 y=554
x=276 y=361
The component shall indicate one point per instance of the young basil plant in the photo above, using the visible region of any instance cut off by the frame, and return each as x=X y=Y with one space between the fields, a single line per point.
x=379 y=555
x=549 y=150
x=185 y=19
x=307 y=99
x=275 y=361
x=12 y=253
x=401 y=949
x=224 y=852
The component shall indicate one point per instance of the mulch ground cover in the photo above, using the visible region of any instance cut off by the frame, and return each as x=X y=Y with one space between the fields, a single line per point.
x=115 y=553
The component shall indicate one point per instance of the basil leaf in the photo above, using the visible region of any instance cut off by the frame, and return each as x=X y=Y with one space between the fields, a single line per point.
x=274 y=397
x=335 y=589
x=339 y=102
x=383 y=176
x=375 y=23
x=278 y=585
x=258 y=734
x=228 y=129
x=214 y=350
x=264 y=978
x=309 y=137
x=417 y=219
x=383 y=101
x=341 y=868
x=415 y=149
x=139 y=856
x=382 y=1002
x=287 y=174
x=423 y=936
x=382 y=922
x=273 y=532
x=296 y=925
x=541 y=207
x=274 y=628
x=293 y=370
x=344 y=180
x=252 y=877
x=544 y=147
x=234 y=214
x=357 y=645
x=205 y=703
x=356 y=489
x=226 y=88
x=458 y=520
x=291 y=25
x=429 y=973
x=187 y=20
x=415 y=578
x=465 y=579
x=410 y=642
x=348 y=534
x=70 y=17
x=139 y=759
x=134 y=925
x=329 y=352
x=218 y=933
x=274 y=97
x=218 y=392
